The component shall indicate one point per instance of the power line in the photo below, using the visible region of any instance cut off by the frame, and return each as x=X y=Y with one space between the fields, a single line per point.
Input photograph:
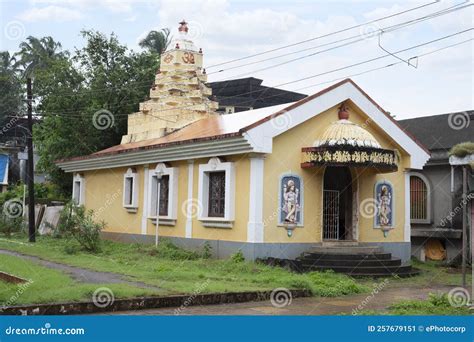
x=384 y=29
x=324 y=35
x=387 y=29
x=334 y=70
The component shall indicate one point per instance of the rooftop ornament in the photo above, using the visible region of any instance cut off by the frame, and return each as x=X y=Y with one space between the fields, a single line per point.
x=345 y=143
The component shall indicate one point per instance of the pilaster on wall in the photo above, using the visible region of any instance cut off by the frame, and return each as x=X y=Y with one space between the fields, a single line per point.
x=255 y=224
x=407 y=226
x=145 y=199
x=190 y=201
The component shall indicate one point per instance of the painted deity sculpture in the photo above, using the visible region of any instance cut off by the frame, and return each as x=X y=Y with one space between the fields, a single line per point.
x=384 y=204
x=290 y=204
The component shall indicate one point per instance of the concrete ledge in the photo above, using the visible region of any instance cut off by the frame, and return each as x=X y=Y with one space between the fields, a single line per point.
x=223 y=249
x=178 y=301
x=10 y=278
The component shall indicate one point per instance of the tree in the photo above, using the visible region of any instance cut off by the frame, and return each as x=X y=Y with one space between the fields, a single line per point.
x=156 y=41
x=36 y=54
x=10 y=84
x=102 y=76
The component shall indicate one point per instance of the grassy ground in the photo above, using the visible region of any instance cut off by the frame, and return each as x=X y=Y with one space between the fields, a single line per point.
x=171 y=269
x=436 y=304
x=46 y=285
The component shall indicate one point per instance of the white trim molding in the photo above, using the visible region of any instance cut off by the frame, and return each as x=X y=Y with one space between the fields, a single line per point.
x=172 y=173
x=214 y=165
x=146 y=172
x=428 y=197
x=190 y=201
x=407 y=225
x=261 y=136
x=255 y=227
x=78 y=189
x=130 y=189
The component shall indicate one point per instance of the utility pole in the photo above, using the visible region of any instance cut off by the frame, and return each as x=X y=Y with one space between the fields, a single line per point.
x=30 y=171
x=464 y=224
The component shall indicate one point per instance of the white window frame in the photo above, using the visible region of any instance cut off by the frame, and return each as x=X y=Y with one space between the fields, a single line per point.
x=215 y=165
x=172 y=172
x=428 y=198
x=133 y=175
x=78 y=178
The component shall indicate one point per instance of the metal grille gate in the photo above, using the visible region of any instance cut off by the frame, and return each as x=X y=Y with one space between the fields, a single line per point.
x=331 y=214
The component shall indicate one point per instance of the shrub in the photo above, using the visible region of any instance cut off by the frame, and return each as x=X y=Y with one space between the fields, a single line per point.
x=238 y=257
x=207 y=250
x=168 y=250
x=75 y=222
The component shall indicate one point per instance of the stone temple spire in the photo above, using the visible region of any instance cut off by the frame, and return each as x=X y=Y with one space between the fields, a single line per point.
x=179 y=95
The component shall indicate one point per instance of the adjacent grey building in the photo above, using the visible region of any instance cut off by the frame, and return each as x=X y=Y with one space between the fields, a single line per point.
x=436 y=191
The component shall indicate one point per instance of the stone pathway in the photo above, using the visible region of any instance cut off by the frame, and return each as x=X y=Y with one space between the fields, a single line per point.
x=302 y=306
x=81 y=274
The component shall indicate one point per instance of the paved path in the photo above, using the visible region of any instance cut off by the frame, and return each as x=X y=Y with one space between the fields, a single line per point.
x=81 y=274
x=302 y=306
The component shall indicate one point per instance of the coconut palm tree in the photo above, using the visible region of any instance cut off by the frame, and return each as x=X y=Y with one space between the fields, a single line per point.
x=10 y=96
x=156 y=41
x=36 y=54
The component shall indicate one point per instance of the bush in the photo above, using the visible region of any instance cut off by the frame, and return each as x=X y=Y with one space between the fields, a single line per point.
x=238 y=257
x=167 y=250
x=207 y=250
x=75 y=222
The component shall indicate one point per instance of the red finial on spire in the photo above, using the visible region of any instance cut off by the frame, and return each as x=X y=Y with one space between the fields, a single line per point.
x=183 y=26
x=343 y=112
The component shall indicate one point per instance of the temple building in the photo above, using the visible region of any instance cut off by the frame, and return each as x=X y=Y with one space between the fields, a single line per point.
x=329 y=170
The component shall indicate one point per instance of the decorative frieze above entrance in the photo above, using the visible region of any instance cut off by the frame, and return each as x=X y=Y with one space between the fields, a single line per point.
x=381 y=159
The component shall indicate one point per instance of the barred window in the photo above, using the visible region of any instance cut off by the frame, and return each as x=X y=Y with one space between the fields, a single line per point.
x=419 y=201
x=164 y=194
x=216 y=194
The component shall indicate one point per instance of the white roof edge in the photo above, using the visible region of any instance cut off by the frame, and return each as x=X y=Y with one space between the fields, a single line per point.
x=261 y=136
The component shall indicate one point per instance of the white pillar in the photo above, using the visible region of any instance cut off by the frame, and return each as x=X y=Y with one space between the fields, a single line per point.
x=407 y=226
x=191 y=202
x=255 y=223
x=145 y=199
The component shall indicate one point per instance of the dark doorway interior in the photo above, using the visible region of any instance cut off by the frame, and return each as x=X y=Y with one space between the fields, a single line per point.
x=337 y=204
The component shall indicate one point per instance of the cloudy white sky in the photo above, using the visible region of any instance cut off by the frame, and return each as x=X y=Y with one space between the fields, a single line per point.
x=442 y=82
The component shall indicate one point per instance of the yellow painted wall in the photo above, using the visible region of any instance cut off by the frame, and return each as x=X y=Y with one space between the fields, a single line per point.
x=286 y=158
x=104 y=190
x=104 y=195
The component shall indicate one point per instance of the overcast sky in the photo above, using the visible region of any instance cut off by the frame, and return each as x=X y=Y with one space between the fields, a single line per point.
x=441 y=83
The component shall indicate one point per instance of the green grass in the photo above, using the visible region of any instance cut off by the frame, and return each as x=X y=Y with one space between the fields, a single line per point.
x=433 y=273
x=436 y=304
x=46 y=285
x=178 y=271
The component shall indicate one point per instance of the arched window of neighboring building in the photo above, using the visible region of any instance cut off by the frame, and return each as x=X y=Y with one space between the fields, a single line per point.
x=420 y=202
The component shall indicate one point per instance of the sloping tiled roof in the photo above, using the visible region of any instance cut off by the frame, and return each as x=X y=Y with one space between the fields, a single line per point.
x=436 y=132
x=224 y=126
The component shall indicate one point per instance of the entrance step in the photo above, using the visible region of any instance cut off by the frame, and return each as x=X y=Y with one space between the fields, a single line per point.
x=339 y=243
x=356 y=261
x=346 y=249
